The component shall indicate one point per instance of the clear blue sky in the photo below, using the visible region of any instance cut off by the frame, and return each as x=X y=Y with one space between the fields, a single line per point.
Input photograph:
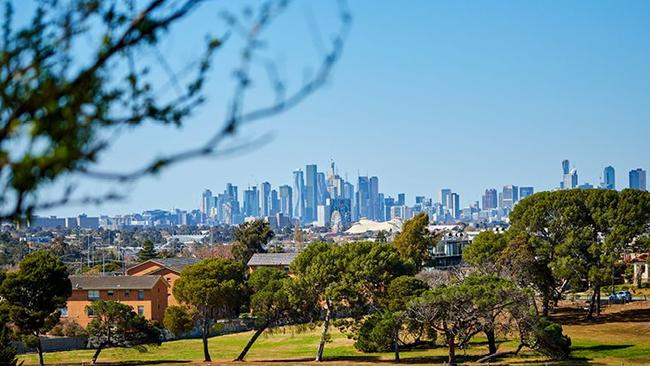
x=429 y=94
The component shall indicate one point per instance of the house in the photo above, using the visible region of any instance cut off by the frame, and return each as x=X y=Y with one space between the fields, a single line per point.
x=147 y=295
x=275 y=260
x=169 y=268
x=641 y=269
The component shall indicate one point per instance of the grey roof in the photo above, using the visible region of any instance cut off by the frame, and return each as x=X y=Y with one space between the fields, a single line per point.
x=272 y=259
x=176 y=264
x=114 y=282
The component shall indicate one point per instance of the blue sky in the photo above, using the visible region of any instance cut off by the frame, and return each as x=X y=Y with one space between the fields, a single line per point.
x=429 y=94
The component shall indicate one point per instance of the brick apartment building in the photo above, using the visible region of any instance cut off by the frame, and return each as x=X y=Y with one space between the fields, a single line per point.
x=147 y=295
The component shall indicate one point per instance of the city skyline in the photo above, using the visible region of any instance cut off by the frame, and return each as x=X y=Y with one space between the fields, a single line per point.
x=280 y=190
x=498 y=98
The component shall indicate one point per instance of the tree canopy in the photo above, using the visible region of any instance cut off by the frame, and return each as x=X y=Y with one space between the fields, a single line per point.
x=251 y=237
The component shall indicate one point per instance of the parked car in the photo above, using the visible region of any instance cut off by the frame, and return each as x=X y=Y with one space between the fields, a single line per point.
x=623 y=296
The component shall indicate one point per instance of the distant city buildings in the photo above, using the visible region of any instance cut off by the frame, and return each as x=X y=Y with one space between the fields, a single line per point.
x=638 y=179
x=609 y=178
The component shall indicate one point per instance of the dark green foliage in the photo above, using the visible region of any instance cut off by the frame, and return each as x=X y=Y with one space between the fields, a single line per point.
x=377 y=333
x=147 y=252
x=34 y=293
x=484 y=252
x=550 y=341
x=214 y=288
x=178 y=319
x=250 y=238
x=7 y=351
x=414 y=241
x=117 y=325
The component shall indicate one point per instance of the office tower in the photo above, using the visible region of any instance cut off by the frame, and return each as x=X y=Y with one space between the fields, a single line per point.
x=638 y=179
x=323 y=215
x=525 y=192
x=233 y=197
x=565 y=167
x=566 y=179
x=490 y=199
x=206 y=202
x=265 y=199
x=363 y=197
x=510 y=196
x=373 y=202
x=401 y=199
x=311 y=198
x=321 y=184
x=382 y=208
x=571 y=179
x=388 y=203
x=609 y=178
x=298 y=194
x=274 y=205
x=342 y=206
x=454 y=202
x=251 y=202
x=445 y=195
x=334 y=182
x=286 y=201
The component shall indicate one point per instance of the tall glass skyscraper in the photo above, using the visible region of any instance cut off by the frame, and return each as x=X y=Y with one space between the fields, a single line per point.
x=286 y=201
x=265 y=199
x=311 y=190
x=609 y=178
x=637 y=179
x=298 y=194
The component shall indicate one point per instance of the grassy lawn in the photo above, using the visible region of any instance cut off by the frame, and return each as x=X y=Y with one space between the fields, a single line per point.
x=620 y=338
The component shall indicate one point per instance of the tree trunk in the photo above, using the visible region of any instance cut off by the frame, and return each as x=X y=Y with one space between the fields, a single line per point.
x=39 y=349
x=452 y=350
x=598 y=300
x=545 y=304
x=258 y=332
x=492 y=344
x=96 y=354
x=396 y=344
x=592 y=306
x=206 y=352
x=323 y=338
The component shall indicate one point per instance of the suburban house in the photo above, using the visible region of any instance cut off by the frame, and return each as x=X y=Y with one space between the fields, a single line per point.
x=169 y=268
x=641 y=269
x=275 y=260
x=147 y=295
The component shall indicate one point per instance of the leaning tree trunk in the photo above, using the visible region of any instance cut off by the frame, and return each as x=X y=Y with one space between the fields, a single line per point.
x=323 y=337
x=258 y=332
x=96 y=354
x=491 y=338
x=545 y=303
x=205 y=332
x=39 y=349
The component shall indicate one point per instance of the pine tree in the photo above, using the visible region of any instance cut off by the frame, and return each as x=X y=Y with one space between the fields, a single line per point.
x=147 y=252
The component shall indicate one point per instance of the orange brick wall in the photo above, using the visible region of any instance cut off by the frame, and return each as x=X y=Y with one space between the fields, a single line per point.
x=155 y=302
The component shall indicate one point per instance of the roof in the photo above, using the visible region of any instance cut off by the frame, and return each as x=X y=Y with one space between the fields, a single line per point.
x=114 y=282
x=272 y=259
x=174 y=264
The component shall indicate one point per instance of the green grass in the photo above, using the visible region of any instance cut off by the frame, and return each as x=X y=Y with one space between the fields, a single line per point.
x=621 y=339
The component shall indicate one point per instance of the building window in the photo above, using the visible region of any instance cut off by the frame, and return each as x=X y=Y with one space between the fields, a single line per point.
x=93 y=295
x=90 y=311
x=140 y=294
x=110 y=292
x=127 y=293
x=140 y=310
x=64 y=311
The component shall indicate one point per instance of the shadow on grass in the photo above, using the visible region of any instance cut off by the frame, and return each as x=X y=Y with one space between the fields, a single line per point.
x=134 y=363
x=601 y=347
x=376 y=359
x=573 y=316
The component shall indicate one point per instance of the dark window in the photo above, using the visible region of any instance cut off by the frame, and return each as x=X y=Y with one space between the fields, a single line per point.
x=140 y=294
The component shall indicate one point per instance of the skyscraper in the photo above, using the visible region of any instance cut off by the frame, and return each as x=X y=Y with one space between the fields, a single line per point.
x=286 y=201
x=490 y=199
x=206 y=202
x=454 y=203
x=445 y=196
x=373 y=199
x=298 y=194
x=638 y=179
x=565 y=167
x=321 y=191
x=311 y=189
x=251 y=202
x=525 y=192
x=274 y=205
x=609 y=178
x=510 y=196
x=265 y=199
x=401 y=199
x=363 y=197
